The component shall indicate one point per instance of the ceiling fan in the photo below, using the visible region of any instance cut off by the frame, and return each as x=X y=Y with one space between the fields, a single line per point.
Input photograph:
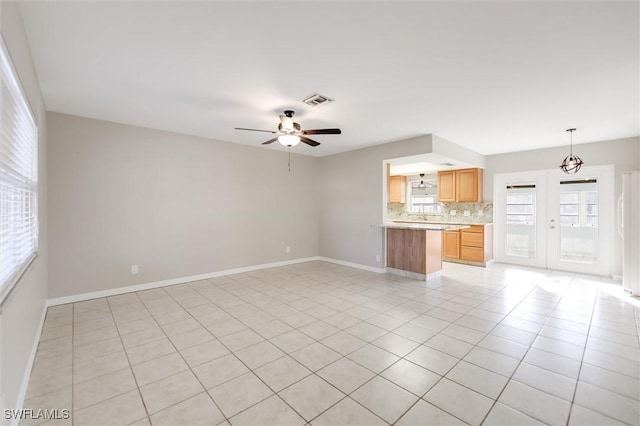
x=290 y=134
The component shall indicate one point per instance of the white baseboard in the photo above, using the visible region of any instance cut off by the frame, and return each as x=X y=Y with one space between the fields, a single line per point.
x=354 y=265
x=148 y=286
x=22 y=393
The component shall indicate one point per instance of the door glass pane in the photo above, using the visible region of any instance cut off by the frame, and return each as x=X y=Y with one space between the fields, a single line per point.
x=520 y=220
x=579 y=221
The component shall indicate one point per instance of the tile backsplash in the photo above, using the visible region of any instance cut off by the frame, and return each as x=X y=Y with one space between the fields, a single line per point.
x=396 y=211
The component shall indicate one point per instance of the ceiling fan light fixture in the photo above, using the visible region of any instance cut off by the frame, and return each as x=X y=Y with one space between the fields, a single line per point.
x=289 y=140
x=572 y=163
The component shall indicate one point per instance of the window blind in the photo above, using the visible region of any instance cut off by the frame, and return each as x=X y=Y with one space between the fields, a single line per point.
x=18 y=180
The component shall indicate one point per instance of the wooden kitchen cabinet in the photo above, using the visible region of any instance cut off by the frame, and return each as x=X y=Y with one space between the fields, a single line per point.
x=469 y=186
x=447 y=186
x=470 y=245
x=397 y=189
x=461 y=186
x=451 y=244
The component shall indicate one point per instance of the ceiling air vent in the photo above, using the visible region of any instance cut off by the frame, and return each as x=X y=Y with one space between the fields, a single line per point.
x=317 y=100
x=447 y=164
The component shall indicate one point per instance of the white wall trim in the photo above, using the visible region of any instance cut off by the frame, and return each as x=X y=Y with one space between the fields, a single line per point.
x=148 y=286
x=22 y=393
x=353 y=265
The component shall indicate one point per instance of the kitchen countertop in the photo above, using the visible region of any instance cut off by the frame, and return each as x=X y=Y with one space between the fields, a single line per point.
x=423 y=226
x=441 y=222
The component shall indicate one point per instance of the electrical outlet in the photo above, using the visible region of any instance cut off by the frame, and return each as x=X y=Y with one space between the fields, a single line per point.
x=480 y=212
x=467 y=213
x=287 y=249
x=378 y=258
x=134 y=269
x=453 y=212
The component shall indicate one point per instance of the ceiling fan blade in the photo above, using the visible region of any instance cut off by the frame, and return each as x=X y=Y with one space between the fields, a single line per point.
x=254 y=130
x=322 y=132
x=308 y=141
x=269 y=141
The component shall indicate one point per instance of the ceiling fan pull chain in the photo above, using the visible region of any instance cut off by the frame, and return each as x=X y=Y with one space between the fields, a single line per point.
x=289 y=159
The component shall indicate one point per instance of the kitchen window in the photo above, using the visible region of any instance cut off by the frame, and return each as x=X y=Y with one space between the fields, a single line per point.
x=18 y=180
x=425 y=199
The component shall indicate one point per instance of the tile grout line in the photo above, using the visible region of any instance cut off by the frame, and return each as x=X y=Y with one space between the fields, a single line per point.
x=313 y=373
x=242 y=362
x=407 y=360
x=198 y=321
x=362 y=290
x=575 y=391
x=548 y=316
x=584 y=350
x=443 y=376
x=346 y=395
x=183 y=360
x=522 y=360
x=453 y=295
x=124 y=349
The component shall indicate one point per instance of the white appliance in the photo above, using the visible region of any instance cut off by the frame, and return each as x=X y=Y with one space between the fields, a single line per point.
x=631 y=232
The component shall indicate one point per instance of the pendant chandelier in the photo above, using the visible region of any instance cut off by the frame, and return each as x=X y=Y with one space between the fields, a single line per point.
x=571 y=163
x=422 y=185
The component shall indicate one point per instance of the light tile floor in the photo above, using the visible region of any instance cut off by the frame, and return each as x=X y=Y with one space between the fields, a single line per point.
x=325 y=344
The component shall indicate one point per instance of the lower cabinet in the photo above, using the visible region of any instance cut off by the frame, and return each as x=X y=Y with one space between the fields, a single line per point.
x=473 y=244
x=451 y=245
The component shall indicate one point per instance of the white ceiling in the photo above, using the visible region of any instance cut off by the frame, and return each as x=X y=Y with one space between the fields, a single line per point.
x=491 y=76
x=425 y=163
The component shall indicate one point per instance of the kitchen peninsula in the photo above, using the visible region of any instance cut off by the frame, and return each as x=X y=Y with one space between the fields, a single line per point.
x=415 y=249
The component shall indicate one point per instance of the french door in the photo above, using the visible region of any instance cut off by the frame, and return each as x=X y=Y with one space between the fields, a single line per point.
x=548 y=219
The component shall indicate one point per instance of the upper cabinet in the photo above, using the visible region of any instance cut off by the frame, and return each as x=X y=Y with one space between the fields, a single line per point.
x=447 y=186
x=462 y=186
x=469 y=185
x=397 y=189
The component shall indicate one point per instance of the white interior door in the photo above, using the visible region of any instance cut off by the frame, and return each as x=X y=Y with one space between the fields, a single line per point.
x=580 y=221
x=520 y=218
x=548 y=219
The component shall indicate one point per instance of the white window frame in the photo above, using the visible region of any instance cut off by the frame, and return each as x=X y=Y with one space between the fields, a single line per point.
x=19 y=176
x=582 y=214
x=436 y=206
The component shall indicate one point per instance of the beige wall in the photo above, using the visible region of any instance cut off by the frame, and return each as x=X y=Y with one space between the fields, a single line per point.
x=175 y=205
x=351 y=194
x=21 y=312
